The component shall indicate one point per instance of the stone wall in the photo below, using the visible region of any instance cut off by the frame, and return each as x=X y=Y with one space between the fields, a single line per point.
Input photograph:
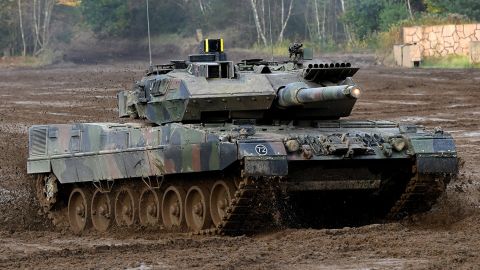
x=475 y=52
x=441 y=40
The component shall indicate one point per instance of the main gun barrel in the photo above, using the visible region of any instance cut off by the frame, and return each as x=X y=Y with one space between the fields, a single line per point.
x=295 y=94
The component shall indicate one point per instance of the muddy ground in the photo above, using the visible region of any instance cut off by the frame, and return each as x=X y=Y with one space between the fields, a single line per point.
x=447 y=237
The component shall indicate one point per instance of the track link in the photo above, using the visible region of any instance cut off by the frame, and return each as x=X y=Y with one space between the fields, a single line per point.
x=240 y=208
x=421 y=193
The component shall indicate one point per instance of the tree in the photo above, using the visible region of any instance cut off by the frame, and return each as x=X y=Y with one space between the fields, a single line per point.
x=470 y=8
x=42 y=13
x=284 y=20
x=25 y=26
x=9 y=26
x=22 y=32
x=391 y=14
x=363 y=17
x=369 y=16
x=106 y=17
x=409 y=6
x=260 y=29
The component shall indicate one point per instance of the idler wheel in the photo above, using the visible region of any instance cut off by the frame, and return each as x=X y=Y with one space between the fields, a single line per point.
x=149 y=208
x=172 y=207
x=220 y=198
x=78 y=210
x=125 y=207
x=197 y=209
x=102 y=211
x=46 y=190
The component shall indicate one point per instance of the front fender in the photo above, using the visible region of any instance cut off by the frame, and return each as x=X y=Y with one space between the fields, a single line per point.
x=263 y=158
x=435 y=154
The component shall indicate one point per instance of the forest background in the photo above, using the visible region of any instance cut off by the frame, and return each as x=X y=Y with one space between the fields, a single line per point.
x=51 y=30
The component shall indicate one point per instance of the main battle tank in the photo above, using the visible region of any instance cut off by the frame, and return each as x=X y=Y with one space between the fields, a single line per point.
x=223 y=146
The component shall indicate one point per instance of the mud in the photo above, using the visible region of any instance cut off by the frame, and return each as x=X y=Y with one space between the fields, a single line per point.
x=447 y=237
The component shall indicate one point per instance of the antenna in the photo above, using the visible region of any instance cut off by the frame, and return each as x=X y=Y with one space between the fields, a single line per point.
x=148 y=29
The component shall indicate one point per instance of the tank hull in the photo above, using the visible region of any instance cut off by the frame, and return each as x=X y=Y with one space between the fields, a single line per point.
x=176 y=165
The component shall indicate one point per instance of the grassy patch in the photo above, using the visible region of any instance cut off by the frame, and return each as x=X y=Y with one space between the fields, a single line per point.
x=450 y=61
x=167 y=39
x=46 y=57
x=20 y=61
x=278 y=49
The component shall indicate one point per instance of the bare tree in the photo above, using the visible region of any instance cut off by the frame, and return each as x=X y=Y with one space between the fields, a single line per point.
x=46 y=21
x=262 y=18
x=260 y=31
x=284 y=20
x=324 y=20
x=317 y=19
x=36 y=41
x=345 y=26
x=409 y=6
x=204 y=6
x=22 y=32
x=42 y=14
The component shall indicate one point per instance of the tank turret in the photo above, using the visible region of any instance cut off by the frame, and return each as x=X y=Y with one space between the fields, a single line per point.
x=208 y=88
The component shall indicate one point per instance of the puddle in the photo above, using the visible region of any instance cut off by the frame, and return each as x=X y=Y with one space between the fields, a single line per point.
x=14 y=84
x=472 y=134
x=459 y=105
x=106 y=97
x=438 y=79
x=424 y=119
x=92 y=89
x=49 y=93
x=456 y=131
x=366 y=103
x=49 y=103
x=60 y=114
x=435 y=119
x=27 y=248
x=401 y=102
x=412 y=119
x=364 y=264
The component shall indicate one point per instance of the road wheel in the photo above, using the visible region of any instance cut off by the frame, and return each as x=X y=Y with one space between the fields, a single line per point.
x=172 y=207
x=78 y=210
x=220 y=198
x=149 y=208
x=125 y=207
x=197 y=209
x=102 y=211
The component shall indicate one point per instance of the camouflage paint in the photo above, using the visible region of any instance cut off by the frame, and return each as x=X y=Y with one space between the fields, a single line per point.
x=102 y=151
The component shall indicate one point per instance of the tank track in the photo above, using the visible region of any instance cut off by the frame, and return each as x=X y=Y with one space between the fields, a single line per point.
x=246 y=213
x=233 y=223
x=249 y=210
x=420 y=195
x=254 y=198
x=49 y=206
